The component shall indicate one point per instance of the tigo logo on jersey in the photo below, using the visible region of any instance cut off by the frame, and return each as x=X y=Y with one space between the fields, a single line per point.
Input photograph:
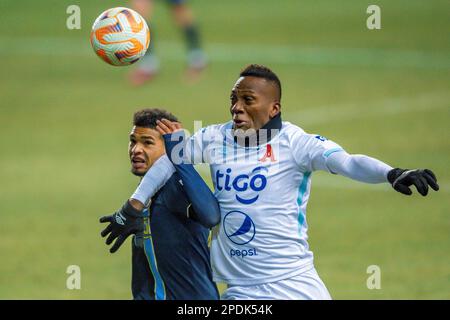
x=243 y=182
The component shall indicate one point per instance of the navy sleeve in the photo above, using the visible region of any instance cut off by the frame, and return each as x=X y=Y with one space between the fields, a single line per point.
x=174 y=197
x=204 y=205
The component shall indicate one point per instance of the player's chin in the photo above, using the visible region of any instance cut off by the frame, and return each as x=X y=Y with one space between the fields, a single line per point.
x=243 y=127
x=244 y=131
x=140 y=172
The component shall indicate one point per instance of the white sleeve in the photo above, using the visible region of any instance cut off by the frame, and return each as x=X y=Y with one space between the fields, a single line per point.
x=156 y=177
x=194 y=147
x=314 y=152
x=200 y=146
x=310 y=151
x=358 y=167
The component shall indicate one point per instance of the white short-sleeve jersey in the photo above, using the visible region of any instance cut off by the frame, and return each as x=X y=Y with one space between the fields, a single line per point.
x=263 y=193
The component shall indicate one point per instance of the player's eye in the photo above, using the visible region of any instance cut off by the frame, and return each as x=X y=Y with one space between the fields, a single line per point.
x=132 y=141
x=233 y=99
x=248 y=99
x=148 y=142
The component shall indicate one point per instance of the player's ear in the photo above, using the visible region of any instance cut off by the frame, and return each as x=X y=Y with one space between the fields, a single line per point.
x=275 y=109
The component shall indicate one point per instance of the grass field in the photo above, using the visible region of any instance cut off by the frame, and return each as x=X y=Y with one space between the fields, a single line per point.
x=65 y=118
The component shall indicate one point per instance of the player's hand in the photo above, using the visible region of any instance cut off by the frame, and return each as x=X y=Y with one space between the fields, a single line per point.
x=165 y=126
x=402 y=179
x=123 y=223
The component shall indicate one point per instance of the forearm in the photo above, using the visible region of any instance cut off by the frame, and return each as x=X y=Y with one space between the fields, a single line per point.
x=358 y=167
x=153 y=180
x=204 y=203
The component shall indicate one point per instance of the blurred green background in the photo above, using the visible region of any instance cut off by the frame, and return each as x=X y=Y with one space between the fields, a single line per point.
x=65 y=117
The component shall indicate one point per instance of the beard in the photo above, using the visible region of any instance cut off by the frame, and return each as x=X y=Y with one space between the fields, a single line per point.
x=138 y=173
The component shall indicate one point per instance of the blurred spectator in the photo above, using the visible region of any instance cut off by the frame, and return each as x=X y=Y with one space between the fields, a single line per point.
x=149 y=65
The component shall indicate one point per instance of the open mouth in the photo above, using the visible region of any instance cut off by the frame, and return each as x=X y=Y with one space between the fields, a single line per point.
x=239 y=123
x=137 y=163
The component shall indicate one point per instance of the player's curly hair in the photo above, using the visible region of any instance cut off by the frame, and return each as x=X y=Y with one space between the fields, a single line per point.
x=260 y=71
x=147 y=117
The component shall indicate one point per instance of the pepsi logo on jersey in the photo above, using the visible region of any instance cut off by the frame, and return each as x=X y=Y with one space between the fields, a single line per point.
x=241 y=230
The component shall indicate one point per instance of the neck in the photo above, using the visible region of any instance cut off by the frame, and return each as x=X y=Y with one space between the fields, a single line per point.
x=263 y=135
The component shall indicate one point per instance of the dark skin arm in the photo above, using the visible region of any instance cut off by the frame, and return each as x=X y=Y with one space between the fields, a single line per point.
x=136 y=204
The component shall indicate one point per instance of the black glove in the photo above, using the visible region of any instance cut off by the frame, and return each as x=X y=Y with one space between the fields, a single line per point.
x=402 y=179
x=122 y=224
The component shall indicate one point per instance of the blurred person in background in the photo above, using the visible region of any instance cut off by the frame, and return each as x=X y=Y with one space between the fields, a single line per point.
x=182 y=14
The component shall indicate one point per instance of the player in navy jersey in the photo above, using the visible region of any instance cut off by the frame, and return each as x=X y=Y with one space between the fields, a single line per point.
x=170 y=254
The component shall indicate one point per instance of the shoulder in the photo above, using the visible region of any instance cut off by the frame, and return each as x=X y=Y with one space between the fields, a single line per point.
x=291 y=129
x=211 y=132
x=292 y=133
x=297 y=135
x=174 y=183
x=214 y=128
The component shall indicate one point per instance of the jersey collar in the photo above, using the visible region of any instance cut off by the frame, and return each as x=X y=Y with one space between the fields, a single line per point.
x=273 y=126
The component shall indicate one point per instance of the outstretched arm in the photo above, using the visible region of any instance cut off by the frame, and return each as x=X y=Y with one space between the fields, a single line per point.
x=204 y=205
x=357 y=167
x=314 y=152
x=370 y=170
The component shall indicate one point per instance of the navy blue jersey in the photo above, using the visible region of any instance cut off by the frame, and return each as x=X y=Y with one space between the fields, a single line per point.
x=175 y=263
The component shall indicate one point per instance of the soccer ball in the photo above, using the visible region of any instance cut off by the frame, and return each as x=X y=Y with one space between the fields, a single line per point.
x=120 y=36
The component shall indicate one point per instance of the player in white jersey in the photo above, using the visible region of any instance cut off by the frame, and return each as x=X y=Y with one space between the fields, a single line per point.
x=261 y=169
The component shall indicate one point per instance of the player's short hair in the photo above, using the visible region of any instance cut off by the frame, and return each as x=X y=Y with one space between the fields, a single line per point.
x=260 y=71
x=147 y=117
